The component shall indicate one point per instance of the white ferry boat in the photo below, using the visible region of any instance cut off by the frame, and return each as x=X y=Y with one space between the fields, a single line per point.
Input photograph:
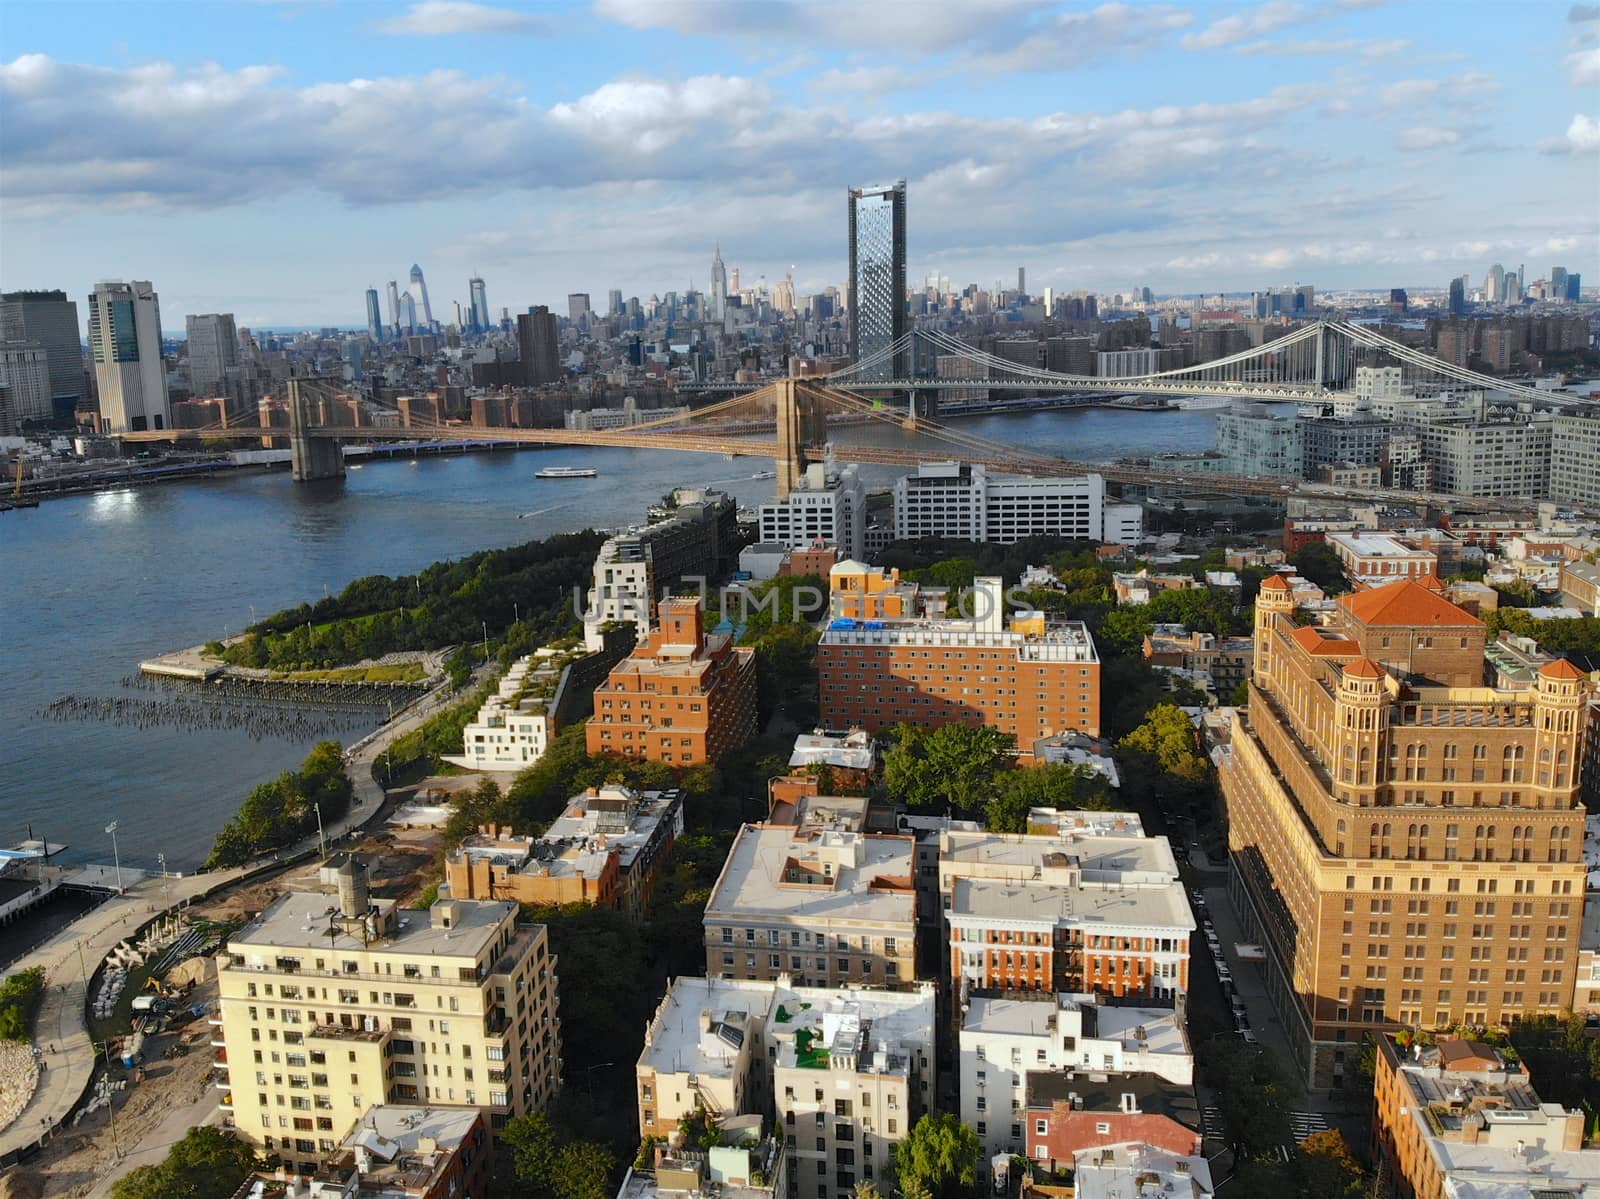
x=566 y=472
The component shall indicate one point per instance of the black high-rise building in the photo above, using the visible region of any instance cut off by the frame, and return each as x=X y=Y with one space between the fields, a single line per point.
x=1458 y=297
x=539 y=345
x=878 y=276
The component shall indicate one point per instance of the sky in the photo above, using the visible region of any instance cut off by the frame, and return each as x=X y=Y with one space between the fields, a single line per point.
x=274 y=158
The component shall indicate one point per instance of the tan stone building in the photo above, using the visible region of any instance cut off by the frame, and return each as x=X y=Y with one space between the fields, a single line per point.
x=1405 y=842
x=333 y=1003
x=823 y=906
x=1459 y=1119
x=607 y=848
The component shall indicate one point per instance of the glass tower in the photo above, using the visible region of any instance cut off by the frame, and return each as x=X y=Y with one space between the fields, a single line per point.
x=878 y=278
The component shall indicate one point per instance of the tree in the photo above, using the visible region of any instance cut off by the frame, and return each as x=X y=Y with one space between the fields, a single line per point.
x=208 y=1163
x=554 y=1165
x=1054 y=785
x=1327 y=1169
x=1317 y=562
x=953 y=765
x=534 y=1146
x=1167 y=737
x=939 y=1157
x=583 y=1170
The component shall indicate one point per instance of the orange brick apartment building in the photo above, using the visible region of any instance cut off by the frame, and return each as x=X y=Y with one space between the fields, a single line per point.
x=1406 y=843
x=1030 y=679
x=683 y=697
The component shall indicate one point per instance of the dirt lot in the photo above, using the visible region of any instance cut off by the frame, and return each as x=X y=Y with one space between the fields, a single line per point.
x=175 y=1092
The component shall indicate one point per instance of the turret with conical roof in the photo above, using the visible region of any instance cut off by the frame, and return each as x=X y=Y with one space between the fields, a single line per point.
x=1274 y=611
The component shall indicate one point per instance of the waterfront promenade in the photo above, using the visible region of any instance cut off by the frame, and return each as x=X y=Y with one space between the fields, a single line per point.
x=71 y=957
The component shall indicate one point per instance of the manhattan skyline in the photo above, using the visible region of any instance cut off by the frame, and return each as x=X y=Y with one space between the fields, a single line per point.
x=275 y=159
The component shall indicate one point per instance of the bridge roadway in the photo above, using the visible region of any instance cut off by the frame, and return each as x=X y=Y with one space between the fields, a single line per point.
x=1020 y=462
x=1246 y=390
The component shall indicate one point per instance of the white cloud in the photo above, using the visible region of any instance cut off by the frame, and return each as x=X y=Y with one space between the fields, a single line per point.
x=433 y=17
x=1251 y=23
x=866 y=80
x=1408 y=92
x=1325 y=47
x=993 y=37
x=1426 y=137
x=1583 y=135
x=1585 y=67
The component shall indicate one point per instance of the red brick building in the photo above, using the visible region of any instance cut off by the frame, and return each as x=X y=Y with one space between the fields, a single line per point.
x=683 y=697
x=1068 y=1112
x=1023 y=676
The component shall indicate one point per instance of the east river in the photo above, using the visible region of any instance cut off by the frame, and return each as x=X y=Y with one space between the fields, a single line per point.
x=92 y=584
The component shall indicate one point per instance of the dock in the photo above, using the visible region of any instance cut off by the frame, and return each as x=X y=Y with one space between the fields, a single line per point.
x=188 y=663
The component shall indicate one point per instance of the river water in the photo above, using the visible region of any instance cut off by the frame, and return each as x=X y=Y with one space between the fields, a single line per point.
x=90 y=585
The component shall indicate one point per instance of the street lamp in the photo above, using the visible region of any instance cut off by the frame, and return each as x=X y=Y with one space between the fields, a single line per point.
x=116 y=856
x=104 y=1047
x=322 y=844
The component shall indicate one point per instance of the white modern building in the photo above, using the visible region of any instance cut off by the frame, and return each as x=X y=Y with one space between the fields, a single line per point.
x=1127 y=364
x=1575 y=458
x=963 y=502
x=125 y=342
x=847 y=1071
x=514 y=726
x=827 y=503
x=1489 y=457
x=1004 y=1036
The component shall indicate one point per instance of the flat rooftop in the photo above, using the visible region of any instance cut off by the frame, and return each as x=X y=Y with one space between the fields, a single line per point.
x=701 y=1023
x=1103 y=847
x=811 y=1026
x=303 y=919
x=879 y=889
x=1378 y=545
x=1051 y=903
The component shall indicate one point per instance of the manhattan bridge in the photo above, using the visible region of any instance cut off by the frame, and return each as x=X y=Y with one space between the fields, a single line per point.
x=1308 y=366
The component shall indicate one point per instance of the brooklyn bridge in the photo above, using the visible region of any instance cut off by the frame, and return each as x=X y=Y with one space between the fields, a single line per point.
x=1307 y=366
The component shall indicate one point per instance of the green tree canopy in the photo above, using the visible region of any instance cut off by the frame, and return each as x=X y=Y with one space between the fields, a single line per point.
x=939 y=1158
x=208 y=1163
x=1167 y=738
x=1318 y=563
x=953 y=765
x=1053 y=785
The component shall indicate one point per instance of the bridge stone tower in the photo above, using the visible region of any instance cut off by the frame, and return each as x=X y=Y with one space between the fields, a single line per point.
x=312 y=458
x=801 y=423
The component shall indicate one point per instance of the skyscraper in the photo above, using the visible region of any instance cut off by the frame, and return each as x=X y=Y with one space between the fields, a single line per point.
x=1558 y=283
x=878 y=276
x=480 y=304
x=51 y=320
x=1022 y=281
x=125 y=341
x=1574 y=287
x=408 y=312
x=1494 y=284
x=213 y=348
x=394 y=308
x=374 y=316
x=719 y=286
x=419 y=293
x=1458 y=297
x=614 y=302
x=539 y=346
x=1513 y=292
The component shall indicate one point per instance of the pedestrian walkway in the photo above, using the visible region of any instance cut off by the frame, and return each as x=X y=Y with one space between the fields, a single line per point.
x=1305 y=1124
x=71 y=957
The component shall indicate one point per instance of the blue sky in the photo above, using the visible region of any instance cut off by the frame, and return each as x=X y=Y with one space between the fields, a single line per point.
x=273 y=159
